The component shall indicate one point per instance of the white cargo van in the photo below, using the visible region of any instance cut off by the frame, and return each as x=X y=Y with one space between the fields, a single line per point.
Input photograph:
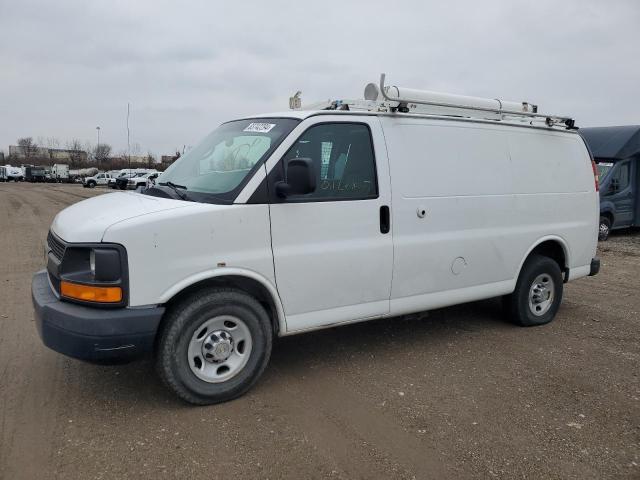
x=285 y=223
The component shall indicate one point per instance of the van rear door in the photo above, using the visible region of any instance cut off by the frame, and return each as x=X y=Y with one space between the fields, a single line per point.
x=332 y=248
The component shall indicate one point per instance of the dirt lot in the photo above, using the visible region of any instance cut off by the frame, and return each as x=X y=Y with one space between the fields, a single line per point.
x=459 y=393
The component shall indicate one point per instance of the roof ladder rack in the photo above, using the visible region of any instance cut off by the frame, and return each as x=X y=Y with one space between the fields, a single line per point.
x=407 y=100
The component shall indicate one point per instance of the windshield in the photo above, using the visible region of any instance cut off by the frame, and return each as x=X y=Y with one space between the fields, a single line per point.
x=603 y=168
x=224 y=161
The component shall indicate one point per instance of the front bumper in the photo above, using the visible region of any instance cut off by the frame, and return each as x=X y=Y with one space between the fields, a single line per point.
x=92 y=334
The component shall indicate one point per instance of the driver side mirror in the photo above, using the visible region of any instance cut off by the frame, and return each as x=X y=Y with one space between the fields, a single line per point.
x=300 y=178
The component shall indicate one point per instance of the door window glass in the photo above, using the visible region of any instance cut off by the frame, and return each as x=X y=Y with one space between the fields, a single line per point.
x=620 y=179
x=343 y=159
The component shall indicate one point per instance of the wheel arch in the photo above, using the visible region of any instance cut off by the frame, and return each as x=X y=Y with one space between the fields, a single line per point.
x=608 y=213
x=248 y=281
x=551 y=246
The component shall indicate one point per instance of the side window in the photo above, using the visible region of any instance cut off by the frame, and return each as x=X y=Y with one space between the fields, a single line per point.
x=621 y=177
x=343 y=159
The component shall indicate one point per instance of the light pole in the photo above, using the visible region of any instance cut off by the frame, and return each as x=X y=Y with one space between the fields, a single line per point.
x=98 y=142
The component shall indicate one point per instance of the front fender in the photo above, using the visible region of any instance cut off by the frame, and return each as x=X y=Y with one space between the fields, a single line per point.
x=227 y=272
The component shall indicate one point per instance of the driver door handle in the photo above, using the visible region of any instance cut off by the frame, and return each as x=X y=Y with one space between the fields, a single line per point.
x=385 y=219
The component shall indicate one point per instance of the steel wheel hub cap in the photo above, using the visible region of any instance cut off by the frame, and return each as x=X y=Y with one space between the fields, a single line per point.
x=219 y=348
x=541 y=294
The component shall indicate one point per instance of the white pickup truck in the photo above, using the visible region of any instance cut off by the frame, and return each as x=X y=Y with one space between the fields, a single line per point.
x=94 y=181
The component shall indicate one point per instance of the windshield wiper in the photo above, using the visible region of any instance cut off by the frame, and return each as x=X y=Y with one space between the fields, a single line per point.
x=176 y=188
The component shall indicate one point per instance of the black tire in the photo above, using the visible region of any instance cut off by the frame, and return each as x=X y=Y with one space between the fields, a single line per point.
x=517 y=304
x=604 y=229
x=179 y=326
x=122 y=186
x=91 y=184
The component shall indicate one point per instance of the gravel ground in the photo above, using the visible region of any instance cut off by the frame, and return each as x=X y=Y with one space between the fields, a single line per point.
x=457 y=393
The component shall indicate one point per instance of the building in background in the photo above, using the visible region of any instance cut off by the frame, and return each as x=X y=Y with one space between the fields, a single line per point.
x=167 y=160
x=20 y=153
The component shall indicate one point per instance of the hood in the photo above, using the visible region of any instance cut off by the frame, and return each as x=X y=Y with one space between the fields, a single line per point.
x=86 y=221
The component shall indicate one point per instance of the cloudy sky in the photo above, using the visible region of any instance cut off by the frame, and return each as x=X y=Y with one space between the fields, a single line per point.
x=185 y=66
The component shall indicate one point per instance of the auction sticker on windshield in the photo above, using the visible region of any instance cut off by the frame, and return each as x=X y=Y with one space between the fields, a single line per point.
x=259 y=127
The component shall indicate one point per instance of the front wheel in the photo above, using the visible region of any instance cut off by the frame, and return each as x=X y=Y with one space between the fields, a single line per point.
x=91 y=184
x=604 y=229
x=214 y=346
x=538 y=293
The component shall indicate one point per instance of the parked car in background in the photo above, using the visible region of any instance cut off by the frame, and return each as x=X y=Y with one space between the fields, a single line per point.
x=616 y=151
x=122 y=181
x=112 y=177
x=95 y=180
x=144 y=180
x=3 y=174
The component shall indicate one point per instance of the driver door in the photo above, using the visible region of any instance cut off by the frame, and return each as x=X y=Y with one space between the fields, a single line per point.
x=332 y=248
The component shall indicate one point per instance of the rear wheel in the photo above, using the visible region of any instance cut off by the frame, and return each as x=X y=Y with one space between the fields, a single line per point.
x=538 y=292
x=604 y=229
x=214 y=346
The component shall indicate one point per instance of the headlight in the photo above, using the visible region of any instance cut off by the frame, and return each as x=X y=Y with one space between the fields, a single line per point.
x=95 y=274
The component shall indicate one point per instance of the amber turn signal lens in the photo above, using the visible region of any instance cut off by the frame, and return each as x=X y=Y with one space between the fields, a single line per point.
x=89 y=293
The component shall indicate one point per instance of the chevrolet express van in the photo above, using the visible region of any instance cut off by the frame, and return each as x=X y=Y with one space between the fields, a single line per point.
x=285 y=223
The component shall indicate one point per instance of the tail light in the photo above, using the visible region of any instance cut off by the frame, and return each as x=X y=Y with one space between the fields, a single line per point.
x=595 y=175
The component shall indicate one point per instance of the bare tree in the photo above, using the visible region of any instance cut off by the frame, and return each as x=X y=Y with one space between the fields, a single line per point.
x=88 y=147
x=52 y=144
x=28 y=147
x=76 y=153
x=101 y=153
x=151 y=159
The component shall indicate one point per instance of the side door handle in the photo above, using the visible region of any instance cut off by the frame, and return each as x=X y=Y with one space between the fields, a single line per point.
x=385 y=219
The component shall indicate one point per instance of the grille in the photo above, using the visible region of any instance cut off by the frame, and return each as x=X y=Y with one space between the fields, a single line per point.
x=56 y=246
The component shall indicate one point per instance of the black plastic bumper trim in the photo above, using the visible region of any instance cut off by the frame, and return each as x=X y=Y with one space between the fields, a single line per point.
x=92 y=334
